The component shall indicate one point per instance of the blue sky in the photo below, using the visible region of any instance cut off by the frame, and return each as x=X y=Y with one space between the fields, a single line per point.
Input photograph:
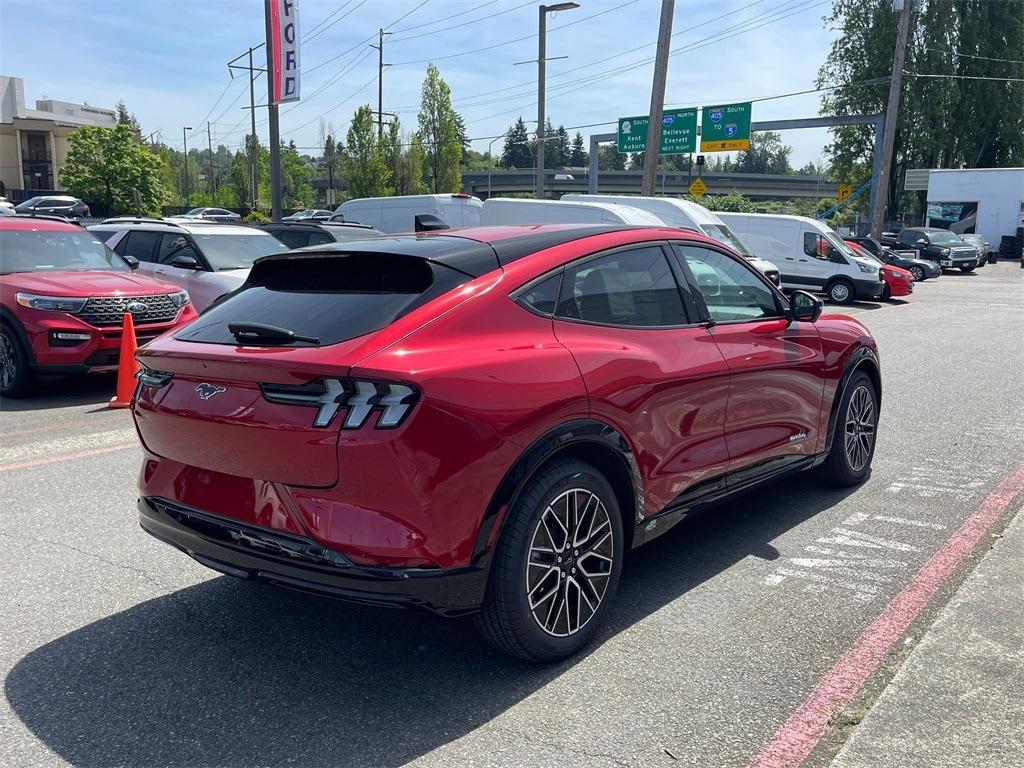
x=167 y=60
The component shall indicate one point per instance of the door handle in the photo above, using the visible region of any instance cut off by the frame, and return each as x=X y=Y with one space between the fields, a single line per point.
x=803 y=260
x=790 y=258
x=160 y=271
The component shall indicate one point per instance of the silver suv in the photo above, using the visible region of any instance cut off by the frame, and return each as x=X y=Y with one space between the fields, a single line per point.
x=207 y=259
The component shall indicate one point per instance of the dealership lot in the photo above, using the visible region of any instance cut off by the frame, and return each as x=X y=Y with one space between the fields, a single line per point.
x=118 y=650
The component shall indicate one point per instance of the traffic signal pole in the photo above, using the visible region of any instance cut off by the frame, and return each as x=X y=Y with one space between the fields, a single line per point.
x=657 y=99
x=891 y=119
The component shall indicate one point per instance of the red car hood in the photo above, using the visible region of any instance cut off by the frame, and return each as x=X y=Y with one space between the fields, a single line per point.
x=87 y=283
x=906 y=275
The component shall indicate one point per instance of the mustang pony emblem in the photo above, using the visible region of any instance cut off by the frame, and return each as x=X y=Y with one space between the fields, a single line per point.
x=206 y=391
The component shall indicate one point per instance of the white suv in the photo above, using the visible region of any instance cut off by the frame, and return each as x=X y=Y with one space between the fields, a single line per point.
x=205 y=258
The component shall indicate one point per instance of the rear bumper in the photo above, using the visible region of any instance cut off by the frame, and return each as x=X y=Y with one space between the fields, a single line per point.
x=272 y=557
x=868 y=289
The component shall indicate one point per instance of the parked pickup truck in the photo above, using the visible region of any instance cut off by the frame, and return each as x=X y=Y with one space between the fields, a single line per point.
x=937 y=245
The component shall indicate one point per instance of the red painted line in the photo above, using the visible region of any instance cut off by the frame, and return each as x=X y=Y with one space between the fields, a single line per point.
x=800 y=734
x=67 y=457
x=50 y=428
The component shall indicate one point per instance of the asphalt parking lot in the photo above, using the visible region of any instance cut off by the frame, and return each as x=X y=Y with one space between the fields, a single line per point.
x=117 y=650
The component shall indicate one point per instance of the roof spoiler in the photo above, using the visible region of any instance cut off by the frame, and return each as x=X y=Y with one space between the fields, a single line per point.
x=427 y=222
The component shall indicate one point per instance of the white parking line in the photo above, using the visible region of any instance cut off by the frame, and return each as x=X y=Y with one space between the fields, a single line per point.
x=18 y=454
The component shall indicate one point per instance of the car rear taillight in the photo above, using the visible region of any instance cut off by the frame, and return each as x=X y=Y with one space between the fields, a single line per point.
x=361 y=397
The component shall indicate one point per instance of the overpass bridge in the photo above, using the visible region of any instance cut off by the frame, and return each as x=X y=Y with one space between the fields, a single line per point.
x=758 y=186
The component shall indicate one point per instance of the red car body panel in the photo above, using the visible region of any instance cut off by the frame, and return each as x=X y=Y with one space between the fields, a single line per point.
x=899 y=281
x=35 y=326
x=690 y=404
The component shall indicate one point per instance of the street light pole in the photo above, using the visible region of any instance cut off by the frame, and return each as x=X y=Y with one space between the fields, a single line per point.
x=542 y=30
x=184 y=140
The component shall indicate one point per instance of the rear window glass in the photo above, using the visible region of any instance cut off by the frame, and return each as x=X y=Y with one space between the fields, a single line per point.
x=332 y=299
x=236 y=251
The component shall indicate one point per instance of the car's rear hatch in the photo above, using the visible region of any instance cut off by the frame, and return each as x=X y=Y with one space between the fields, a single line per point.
x=210 y=397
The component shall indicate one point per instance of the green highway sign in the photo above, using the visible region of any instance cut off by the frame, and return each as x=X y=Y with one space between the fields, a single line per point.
x=725 y=127
x=678 y=132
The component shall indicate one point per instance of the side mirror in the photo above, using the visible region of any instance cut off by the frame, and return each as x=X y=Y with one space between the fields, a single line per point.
x=804 y=307
x=836 y=257
x=131 y=261
x=921 y=241
x=184 y=262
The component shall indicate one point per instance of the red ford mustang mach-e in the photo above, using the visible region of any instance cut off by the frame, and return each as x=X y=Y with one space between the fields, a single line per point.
x=483 y=421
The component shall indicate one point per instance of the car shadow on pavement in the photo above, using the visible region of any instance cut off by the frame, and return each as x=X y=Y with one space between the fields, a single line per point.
x=64 y=393
x=228 y=673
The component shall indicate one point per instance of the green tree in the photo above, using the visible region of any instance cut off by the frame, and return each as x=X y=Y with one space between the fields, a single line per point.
x=331 y=155
x=439 y=133
x=105 y=165
x=767 y=154
x=124 y=118
x=365 y=166
x=460 y=129
x=945 y=122
x=516 y=153
x=296 y=189
x=564 y=146
x=733 y=202
x=578 y=156
x=609 y=159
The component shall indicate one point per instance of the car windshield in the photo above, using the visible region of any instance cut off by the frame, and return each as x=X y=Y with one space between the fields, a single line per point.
x=195 y=212
x=236 y=250
x=864 y=253
x=840 y=244
x=724 y=235
x=28 y=250
x=944 y=237
x=28 y=203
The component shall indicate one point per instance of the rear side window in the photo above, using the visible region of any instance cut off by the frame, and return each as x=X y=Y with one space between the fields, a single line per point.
x=332 y=298
x=291 y=237
x=541 y=297
x=142 y=245
x=632 y=287
x=319 y=238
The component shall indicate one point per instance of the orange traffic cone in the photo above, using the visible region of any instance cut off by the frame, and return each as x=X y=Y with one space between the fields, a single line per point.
x=126 y=364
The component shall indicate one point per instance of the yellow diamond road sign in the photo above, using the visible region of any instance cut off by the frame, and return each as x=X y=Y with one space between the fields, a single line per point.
x=698 y=188
x=845 y=190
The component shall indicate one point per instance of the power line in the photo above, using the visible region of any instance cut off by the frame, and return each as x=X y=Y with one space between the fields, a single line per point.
x=970 y=77
x=531 y=85
x=313 y=32
x=465 y=23
x=587 y=81
x=972 y=56
x=516 y=40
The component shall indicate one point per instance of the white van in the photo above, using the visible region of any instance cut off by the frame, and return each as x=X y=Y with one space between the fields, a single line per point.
x=513 y=210
x=398 y=214
x=684 y=214
x=810 y=255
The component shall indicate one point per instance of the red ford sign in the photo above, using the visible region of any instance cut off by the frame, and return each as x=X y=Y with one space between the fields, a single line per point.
x=283 y=50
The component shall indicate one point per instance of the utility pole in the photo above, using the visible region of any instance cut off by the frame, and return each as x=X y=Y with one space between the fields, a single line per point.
x=209 y=147
x=274 y=129
x=891 y=119
x=380 y=83
x=184 y=140
x=250 y=145
x=657 y=99
x=251 y=148
x=542 y=34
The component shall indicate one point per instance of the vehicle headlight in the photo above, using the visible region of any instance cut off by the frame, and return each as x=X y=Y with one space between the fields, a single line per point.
x=945 y=251
x=867 y=269
x=180 y=299
x=50 y=303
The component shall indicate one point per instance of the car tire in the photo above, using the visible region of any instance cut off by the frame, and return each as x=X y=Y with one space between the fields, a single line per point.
x=918 y=273
x=886 y=293
x=15 y=376
x=856 y=430
x=841 y=291
x=535 y=557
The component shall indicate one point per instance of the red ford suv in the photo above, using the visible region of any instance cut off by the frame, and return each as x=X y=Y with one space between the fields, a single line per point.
x=63 y=295
x=482 y=421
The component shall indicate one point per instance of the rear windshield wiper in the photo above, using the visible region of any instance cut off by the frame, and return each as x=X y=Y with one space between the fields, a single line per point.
x=269 y=334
